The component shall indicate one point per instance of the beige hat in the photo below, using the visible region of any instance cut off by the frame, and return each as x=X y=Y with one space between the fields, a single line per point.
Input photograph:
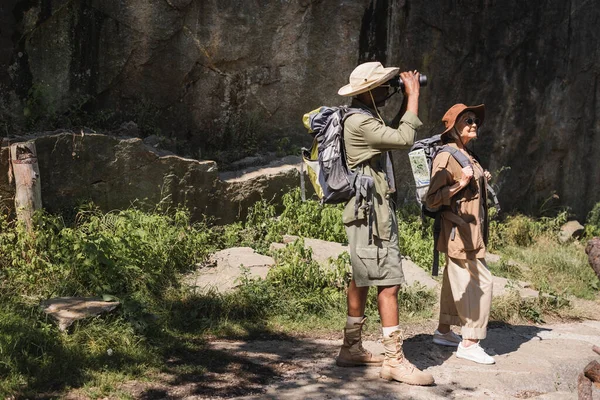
x=367 y=76
x=449 y=119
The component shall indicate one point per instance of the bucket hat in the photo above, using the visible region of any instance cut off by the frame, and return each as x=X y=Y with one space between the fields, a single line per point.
x=367 y=76
x=449 y=119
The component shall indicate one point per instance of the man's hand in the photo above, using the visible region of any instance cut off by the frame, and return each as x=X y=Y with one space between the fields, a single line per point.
x=411 y=82
x=411 y=90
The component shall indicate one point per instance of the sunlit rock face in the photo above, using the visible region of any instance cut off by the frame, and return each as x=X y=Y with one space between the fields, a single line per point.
x=116 y=174
x=208 y=68
x=209 y=72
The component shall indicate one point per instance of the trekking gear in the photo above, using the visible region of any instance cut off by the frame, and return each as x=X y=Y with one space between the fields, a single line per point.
x=367 y=76
x=396 y=367
x=334 y=182
x=352 y=353
x=396 y=82
x=421 y=156
x=327 y=167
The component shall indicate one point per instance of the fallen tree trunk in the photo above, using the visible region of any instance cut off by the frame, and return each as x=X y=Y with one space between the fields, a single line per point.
x=584 y=388
x=592 y=371
x=26 y=173
x=593 y=251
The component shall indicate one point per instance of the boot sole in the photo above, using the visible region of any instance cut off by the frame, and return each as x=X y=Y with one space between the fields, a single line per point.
x=347 y=364
x=390 y=377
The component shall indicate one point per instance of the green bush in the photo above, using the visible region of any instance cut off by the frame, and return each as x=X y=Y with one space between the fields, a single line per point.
x=308 y=287
x=115 y=253
x=301 y=218
x=311 y=219
x=521 y=230
x=592 y=224
x=415 y=237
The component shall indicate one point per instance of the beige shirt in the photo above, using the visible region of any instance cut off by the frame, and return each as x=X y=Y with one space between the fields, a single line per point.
x=366 y=139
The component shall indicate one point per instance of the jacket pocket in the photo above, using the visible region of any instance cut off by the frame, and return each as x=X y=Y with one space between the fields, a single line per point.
x=348 y=215
x=373 y=258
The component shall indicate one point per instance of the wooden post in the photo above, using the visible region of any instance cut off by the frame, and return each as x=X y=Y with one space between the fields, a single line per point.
x=28 y=193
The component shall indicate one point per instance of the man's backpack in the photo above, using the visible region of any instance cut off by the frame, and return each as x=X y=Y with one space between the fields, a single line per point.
x=421 y=157
x=326 y=162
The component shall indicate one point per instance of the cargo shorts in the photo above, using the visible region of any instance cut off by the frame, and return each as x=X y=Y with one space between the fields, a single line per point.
x=377 y=264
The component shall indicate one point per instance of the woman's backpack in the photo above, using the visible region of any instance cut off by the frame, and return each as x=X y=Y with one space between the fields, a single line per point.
x=421 y=157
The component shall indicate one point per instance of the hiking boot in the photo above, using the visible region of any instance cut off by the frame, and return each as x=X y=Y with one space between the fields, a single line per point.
x=396 y=367
x=352 y=353
x=446 y=339
x=474 y=353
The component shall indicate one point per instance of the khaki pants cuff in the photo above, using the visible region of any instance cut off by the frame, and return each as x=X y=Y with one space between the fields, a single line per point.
x=447 y=319
x=473 y=333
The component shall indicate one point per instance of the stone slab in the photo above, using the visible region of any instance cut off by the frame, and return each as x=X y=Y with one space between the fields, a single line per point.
x=502 y=286
x=225 y=268
x=66 y=310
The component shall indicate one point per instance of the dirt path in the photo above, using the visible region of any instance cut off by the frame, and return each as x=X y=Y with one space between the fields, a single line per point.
x=540 y=362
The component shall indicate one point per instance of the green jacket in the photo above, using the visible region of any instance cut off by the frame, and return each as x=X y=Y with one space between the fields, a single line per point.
x=367 y=139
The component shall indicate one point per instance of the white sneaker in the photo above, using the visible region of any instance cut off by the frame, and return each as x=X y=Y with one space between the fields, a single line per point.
x=474 y=353
x=446 y=339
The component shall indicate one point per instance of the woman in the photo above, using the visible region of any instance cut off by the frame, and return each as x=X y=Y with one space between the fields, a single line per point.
x=461 y=193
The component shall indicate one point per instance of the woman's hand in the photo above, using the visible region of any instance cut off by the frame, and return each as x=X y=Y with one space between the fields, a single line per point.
x=467 y=174
x=487 y=175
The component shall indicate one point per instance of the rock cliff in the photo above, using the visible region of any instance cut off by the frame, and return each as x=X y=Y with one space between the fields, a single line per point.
x=212 y=74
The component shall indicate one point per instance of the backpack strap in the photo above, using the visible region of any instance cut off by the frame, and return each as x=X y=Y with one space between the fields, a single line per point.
x=458 y=155
x=437 y=229
x=464 y=161
x=364 y=192
x=302 y=184
x=494 y=197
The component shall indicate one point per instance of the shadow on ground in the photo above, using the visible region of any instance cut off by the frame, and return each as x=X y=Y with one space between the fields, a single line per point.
x=502 y=339
x=273 y=366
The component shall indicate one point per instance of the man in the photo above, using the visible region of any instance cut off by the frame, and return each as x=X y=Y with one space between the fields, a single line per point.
x=371 y=226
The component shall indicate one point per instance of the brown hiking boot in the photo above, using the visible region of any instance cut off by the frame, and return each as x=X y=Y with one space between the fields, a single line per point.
x=396 y=367
x=352 y=353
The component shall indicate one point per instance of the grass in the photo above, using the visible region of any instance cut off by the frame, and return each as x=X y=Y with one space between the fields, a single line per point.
x=514 y=309
x=556 y=268
x=506 y=268
x=138 y=257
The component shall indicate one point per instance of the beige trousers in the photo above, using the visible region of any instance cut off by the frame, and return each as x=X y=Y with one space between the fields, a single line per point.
x=466 y=296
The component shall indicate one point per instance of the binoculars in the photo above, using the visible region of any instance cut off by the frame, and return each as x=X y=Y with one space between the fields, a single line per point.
x=397 y=82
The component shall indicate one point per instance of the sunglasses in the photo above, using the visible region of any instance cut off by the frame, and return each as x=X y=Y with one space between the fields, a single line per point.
x=471 y=121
